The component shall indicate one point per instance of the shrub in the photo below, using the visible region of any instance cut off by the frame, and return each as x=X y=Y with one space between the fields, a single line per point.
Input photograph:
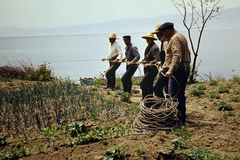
x=135 y=91
x=223 y=89
x=236 y=92
x=196 y=92
x=234 y=99
x=212 y=82
x=222 y=105
x=125 y=97
x=213 y=94
x=202 y=87
x=41 y=73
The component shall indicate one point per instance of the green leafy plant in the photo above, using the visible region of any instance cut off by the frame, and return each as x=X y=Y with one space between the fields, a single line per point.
x=222 y=105
x=46 y=132
x=176 y=144
x=196 y=92
x=198 y=153
x=234 y=99
x=139 y=149
x=125 y=97
x=236 y=92
x=75 y=127
x=3 y=154
x=202 y=87
x=115 y=152
x=213 y=94
x=212 y=82
x=223 y=89
x=182 y=133
x=39 y=146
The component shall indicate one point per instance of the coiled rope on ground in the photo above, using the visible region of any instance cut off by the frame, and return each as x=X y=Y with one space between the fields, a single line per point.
x=157 y=114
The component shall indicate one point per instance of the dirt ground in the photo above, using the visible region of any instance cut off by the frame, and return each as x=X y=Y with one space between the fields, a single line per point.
x=210 y=130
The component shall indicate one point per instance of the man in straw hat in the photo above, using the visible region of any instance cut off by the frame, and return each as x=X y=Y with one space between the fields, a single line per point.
x=113 y=57
x=151 y=56
x=132 y=56
x=176 y=66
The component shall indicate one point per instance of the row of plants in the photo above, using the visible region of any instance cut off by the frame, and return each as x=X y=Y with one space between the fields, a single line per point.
x=77 y=135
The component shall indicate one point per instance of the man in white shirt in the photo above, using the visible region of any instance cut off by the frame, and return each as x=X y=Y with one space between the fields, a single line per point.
x=113 y=57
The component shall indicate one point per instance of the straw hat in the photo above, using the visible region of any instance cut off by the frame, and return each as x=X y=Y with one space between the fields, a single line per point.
x=149 y=35
x=113 y=36
x=156 y=29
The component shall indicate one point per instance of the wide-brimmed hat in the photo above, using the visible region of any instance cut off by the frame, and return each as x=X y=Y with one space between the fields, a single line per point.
x=149 y=35
x=156 y=29
x=113 y=36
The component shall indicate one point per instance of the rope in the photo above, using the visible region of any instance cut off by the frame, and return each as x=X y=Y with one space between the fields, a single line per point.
x=157 y=114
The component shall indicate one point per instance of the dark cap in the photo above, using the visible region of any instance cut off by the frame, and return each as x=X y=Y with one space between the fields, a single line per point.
x=127 y=37
x=165 y=26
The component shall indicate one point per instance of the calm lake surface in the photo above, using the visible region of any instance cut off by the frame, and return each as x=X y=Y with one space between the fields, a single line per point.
x=78 y=56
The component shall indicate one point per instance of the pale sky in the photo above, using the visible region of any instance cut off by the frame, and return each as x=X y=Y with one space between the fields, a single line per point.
x=59 y=13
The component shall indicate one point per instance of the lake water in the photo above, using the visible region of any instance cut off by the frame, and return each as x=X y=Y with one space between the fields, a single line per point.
x=78 y=56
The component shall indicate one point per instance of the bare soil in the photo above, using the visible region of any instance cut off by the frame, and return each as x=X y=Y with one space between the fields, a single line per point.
x=210 y=130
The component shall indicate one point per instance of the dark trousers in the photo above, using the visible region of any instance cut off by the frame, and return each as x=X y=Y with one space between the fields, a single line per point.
x=176 y=88
x=146 y=83
x=127 y=78
x=110 y=74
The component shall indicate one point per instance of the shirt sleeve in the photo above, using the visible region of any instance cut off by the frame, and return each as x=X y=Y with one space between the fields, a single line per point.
x=176 y=55
x=119 y=52
x=135 y=54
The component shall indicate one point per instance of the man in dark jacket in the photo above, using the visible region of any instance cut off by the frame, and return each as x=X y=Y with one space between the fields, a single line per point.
x=132 y=56
x=151 y=56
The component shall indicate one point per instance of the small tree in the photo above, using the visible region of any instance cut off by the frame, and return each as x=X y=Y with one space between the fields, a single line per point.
x=198 y=18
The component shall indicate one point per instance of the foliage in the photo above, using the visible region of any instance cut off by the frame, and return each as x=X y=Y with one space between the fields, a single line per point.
x=213 y=94
x=41 y=73
x=182 y=133
x=212 y=82
x=176 y=144
x=125 y=97
x=101 y=81
x=222 y=105
x=74 y=128
x=24 y=72
x=236 y=92
x=115 y=152
x=234 y=99
x=223 y=89
x=135 y=91
x=199 y=153
x=196 y=92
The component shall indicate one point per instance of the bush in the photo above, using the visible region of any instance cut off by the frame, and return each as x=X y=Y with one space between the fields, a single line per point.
x=213 y=94
x=223 y=89
x=212 y=82
x=125 y=97
x=234 y=99
x=222 y=105
x=201 y=153
x=196 y=92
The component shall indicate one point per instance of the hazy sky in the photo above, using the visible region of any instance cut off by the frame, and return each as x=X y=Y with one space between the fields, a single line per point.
x=58 y=13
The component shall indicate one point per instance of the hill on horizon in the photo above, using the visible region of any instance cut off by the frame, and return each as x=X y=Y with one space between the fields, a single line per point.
x=228 y=19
